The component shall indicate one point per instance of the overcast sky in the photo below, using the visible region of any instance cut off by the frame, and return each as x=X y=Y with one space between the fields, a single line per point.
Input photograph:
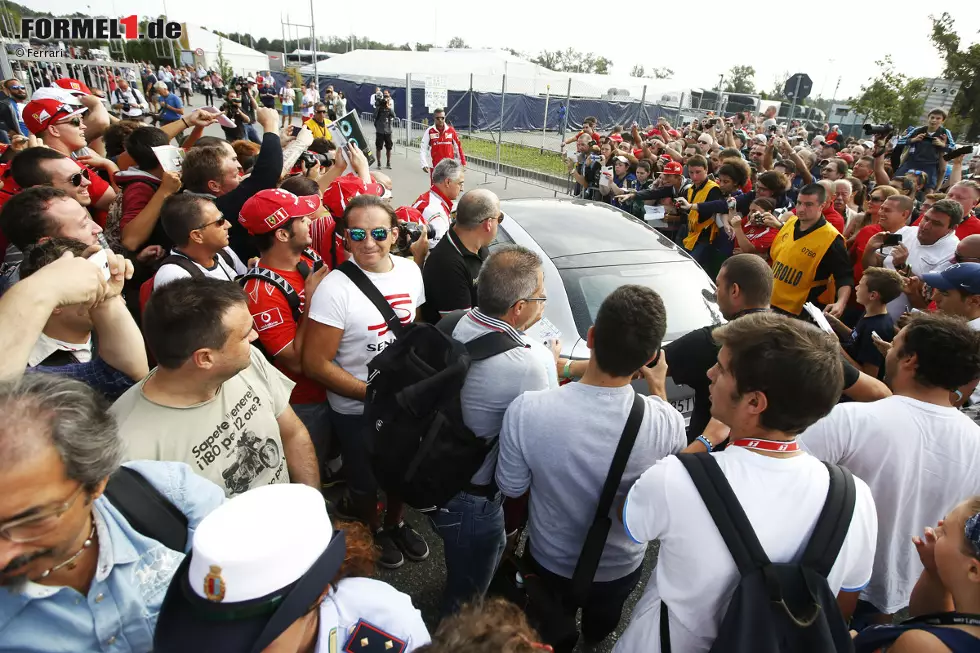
x=825 y=41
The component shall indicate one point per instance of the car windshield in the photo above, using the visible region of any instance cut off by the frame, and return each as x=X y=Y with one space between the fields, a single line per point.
x=686 y=291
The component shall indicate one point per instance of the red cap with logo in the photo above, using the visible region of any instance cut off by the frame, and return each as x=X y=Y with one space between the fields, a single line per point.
x=847 y=157
x=344 y=189
x=269 y=209
x=73 y=86
x=409 y=214
x=40 y=114
x=673 y=168
x=616 y=138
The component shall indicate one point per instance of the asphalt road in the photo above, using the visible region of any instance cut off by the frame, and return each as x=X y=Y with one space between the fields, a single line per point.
x=424 y=581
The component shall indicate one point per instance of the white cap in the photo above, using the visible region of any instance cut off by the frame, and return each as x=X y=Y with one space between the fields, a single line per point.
x=819 y=138
x=760 y=138
x=56 y=93
x=259 y=542
x=868 y=144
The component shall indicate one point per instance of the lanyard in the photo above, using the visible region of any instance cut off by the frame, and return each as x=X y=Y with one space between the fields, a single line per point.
x=790 y=446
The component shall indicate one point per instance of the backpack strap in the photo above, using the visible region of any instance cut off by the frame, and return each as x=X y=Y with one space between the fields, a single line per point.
x=357 y=276
x=595 y=540
x=184 y=263
x=311 y=254
x=484 y=347
x=227 y=258
x=726 y=511
x=146 y=509
x=277 y=280
x=835 y=519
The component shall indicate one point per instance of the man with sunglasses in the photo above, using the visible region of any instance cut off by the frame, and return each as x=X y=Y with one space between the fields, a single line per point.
x=77 y=575
x=453 y=266
x=12 y=105
x=319 y=121
x=440 y=142
x=199 y=232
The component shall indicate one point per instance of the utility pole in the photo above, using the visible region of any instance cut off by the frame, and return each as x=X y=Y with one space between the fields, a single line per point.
x=316 y=72
x=721 y=81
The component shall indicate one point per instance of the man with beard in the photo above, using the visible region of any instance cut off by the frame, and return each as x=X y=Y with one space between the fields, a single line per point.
x=917 y=453
x=12 y=105
x=72 y=565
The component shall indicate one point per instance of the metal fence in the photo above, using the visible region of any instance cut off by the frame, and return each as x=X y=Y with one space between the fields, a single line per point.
x=37 y=72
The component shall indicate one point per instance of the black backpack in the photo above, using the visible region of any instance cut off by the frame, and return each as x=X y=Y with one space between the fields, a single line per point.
x=147 y=511
x=802 y=614
x=421 y=451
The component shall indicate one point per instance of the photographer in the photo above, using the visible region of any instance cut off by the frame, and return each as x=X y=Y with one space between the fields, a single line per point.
x=413 y=235
x=585 y=168
x=232 y=108
x=923 y=148
x=384 y=119
x=755 y=233
x=128 y=101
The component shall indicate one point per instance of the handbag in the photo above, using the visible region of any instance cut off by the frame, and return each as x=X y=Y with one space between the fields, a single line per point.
x=548 y=610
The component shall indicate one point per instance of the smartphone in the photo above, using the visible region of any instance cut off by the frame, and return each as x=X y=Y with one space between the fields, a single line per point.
x=101 y=260
x=294 y=130
x=891 y=240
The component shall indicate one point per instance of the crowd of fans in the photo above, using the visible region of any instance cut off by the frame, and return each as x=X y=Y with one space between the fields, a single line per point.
x=195 y=356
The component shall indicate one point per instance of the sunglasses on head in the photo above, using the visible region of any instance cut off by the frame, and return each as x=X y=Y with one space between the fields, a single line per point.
x=378 y=234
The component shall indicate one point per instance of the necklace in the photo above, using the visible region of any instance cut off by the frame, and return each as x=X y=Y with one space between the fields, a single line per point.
x=788 y=446
x=69 y=562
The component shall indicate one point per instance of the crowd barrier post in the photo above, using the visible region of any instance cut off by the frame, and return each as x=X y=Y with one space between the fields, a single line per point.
x=643 y=100
x=500 y=126
x=408 y=108
x=471 y=106
x=544 y=123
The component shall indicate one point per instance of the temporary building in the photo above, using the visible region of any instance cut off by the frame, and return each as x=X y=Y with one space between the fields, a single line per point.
x=200 y=46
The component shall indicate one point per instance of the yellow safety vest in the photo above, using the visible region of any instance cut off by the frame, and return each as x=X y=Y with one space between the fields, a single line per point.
x=795 y=262
x=694 y=226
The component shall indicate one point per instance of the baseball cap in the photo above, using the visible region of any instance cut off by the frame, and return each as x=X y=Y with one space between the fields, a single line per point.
x=761 y=138
x=73 y=86
x=344 y=189
x=616 y=138
x=258 y=562
x=868 y=144
x=40 y=114
x=56 y=93
x=819 y=138
x=621 y=159
x=409 y=214
x=271 y=208
x=833 y=144
x=960 y=276
x=250 y=80
x=847 y=157
x=673 y=168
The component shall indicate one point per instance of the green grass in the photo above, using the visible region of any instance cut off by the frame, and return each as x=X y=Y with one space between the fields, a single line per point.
x=521 y=156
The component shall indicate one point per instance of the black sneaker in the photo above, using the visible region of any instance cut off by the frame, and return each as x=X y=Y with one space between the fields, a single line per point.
x=410 y=542
x=390 y=556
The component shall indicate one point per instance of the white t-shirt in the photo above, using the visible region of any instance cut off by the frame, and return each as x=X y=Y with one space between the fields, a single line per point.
x=378 y=607
x=922 y=259
x=287 y=95
x=221 y=270
x=311 y=97
x=338 y=303
x=920 y=461
x=695 y=575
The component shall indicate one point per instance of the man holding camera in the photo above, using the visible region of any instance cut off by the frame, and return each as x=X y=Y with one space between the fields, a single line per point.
x=384 y=119
x=232 y=108
x=585 y=168
x=128 y=101
x=923 y=148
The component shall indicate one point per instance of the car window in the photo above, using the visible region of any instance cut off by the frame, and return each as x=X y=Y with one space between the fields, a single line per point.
x=501 y=239
x=685 y=289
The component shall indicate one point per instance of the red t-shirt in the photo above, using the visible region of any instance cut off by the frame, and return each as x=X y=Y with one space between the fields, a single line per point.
x=860 y=244
x=760 y=236
x=276 y=327
x=96 y=191
x=595 y=136
x=968 y=227
x=321 y=232
x=834 y=218
x=136 y=195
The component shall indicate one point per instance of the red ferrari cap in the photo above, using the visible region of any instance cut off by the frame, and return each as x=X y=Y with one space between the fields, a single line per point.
x=344 y=189
x=73 y=86
x=409 y=214
x=673 y=168
x=269 y=209
x=40 y=114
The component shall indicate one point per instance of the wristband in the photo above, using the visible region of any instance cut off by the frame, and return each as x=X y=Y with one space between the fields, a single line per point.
x=703 y=440
x=567 y=372
x=186 y=125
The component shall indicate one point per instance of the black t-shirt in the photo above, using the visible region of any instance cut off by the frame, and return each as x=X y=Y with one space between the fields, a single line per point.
x=862 y=348
x=449 y=277
x=691 y=356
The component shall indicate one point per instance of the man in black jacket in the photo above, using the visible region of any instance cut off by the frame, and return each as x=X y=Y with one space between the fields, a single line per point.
x=14 y=93
x=217 y=175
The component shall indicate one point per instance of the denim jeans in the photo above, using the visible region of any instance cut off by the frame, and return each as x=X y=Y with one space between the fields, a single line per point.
x=252 y=134
x=472 y=531
x=316 y=419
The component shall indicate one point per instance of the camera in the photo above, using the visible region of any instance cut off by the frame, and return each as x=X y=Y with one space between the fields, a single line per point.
x=878 y=130
x=408 y=233
x=773 y=129
x=311 y=159
x=756 y=218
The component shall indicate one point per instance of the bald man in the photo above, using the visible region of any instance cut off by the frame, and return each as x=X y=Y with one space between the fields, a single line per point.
x=829 y=213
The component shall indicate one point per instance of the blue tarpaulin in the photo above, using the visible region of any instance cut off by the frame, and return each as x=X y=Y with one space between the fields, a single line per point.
x=521 y=112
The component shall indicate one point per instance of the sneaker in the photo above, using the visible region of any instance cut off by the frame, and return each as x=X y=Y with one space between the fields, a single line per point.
x=390 y=556
x=344 y=509
x=410 y=542
x=388 y=166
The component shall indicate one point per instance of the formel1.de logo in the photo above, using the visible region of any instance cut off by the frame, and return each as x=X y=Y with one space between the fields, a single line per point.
x=87 y=29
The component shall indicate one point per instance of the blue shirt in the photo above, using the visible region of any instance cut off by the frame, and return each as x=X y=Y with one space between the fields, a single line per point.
x=96 y=373
x=120 y=612
x=170 y=101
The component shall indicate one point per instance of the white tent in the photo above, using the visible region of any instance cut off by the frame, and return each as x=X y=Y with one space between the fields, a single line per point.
x=484 y=68
x=242 y=59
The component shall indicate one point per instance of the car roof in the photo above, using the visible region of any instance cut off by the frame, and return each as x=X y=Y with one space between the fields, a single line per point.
x=566 y=228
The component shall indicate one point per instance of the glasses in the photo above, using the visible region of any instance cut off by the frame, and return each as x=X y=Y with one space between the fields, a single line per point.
x=440 y=117
x=498 y=218
x=379 y=234
x=76 y=179
x=74 y=122
x=220 y=222
x=533 y=299
x=321 y=112
x=16 y=88
x=877 y=200
x=29 y=529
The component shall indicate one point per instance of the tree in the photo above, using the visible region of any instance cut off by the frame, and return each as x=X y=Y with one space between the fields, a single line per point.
x=662 y=73
x=262 y=45
x=637 y=71
x=224 y=66
x=740 y=80
x=891 y=97
x=601 y=66
x=552 y=60
x=457 y=42
x=423 y=47
x=962 y=66
x=573 y=61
